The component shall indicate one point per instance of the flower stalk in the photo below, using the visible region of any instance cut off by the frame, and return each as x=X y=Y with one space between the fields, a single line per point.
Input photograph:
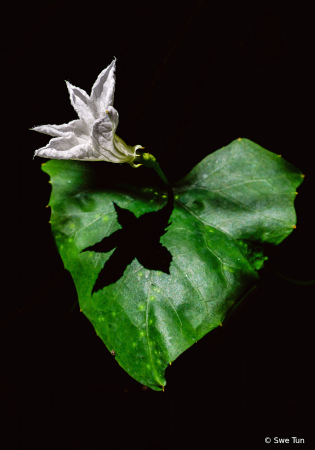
x=149 y=160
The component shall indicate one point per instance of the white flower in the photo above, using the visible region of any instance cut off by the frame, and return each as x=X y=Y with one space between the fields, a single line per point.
x=91 y=137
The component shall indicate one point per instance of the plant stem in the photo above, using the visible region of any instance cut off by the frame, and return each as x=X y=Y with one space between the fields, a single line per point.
x=161 y=174
x=290 y=280
x=149 y=160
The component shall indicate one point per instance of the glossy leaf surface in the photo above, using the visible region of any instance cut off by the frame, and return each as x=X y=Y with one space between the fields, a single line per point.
x=154 y=273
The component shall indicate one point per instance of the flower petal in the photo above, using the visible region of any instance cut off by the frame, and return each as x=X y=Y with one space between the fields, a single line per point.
x=66 y=147
x=80 y=102
x=102 y=93
x=78 y=127
x=102 y=137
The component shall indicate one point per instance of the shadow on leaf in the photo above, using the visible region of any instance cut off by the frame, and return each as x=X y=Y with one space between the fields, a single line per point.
x=139 y=238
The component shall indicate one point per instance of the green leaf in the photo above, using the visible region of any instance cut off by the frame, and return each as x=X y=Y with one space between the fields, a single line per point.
x=154 y=273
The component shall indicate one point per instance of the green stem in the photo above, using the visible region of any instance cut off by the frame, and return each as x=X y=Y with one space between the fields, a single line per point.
x=235 y=310
x=161 y=174
x=290 y=280
x=149 y=160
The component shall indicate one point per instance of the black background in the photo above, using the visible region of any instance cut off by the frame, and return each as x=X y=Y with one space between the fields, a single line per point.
x=191 y=77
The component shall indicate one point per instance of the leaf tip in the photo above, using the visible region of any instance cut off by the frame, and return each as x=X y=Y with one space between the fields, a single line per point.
x=239 y=139
x=293 y=226
x=221 y=325
x=303 y=176
x=279 y=156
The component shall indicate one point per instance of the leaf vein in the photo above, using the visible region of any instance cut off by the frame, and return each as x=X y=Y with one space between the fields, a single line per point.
x=167 y=297
x=194 y=286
